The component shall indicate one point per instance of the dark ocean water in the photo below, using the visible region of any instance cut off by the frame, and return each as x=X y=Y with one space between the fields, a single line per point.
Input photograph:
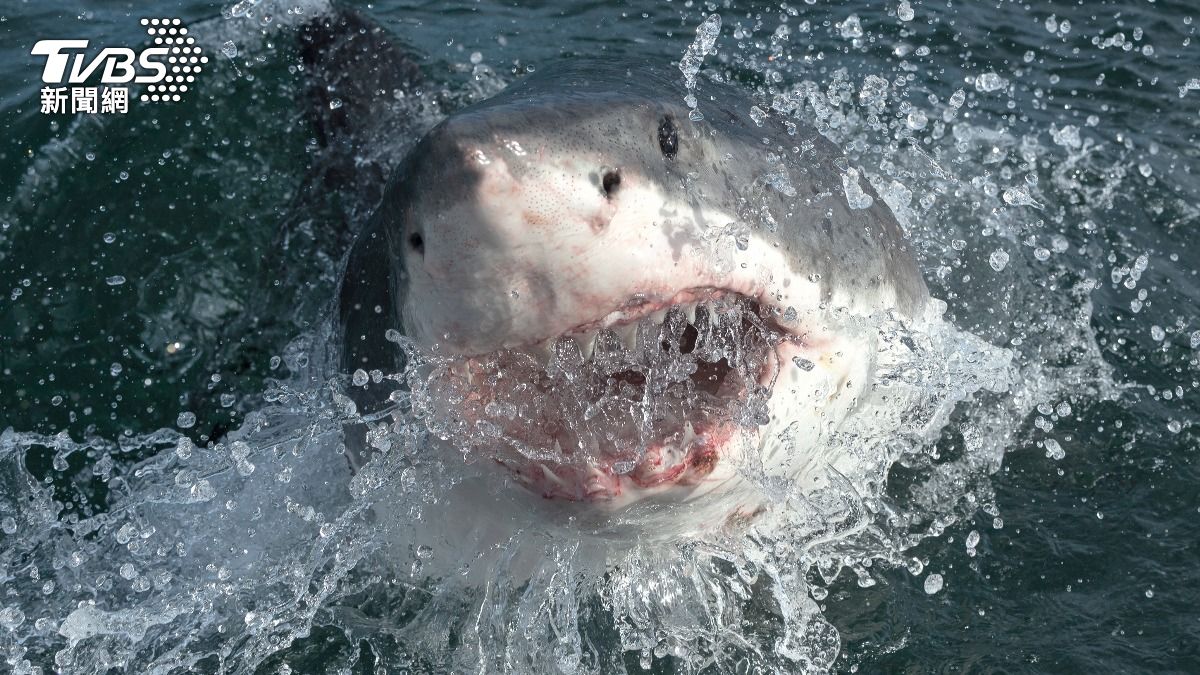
x=152 y=264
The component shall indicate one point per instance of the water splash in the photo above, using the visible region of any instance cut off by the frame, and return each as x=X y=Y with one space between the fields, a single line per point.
x=689 y=65
x=232 y=552
x=156 y=554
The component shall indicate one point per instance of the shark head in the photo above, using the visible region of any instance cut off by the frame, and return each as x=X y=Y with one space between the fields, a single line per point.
x=627 y=298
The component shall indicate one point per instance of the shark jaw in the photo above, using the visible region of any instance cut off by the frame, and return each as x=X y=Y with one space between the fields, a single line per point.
x=658 y=398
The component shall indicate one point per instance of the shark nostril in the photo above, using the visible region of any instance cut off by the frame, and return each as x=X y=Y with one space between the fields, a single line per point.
x=610 y=182
x=417 y=243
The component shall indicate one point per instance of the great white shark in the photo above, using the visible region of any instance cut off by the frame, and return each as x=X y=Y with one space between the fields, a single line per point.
x=621 y=301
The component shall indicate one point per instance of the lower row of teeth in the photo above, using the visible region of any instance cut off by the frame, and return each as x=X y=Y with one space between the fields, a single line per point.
x=673 y=453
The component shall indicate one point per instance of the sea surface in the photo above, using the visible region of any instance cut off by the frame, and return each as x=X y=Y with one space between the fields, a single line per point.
x=155 y=277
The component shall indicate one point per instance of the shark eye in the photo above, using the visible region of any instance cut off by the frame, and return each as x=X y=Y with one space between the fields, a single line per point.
x=417 y=243
x=668 y=138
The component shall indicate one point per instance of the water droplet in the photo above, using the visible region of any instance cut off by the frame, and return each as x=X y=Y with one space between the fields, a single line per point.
x=851 y=27
x=856 y=197
x=1053 y=449
x=803 y=364
x=11 y=617
x=905 y=11
x=1067 y=137
x=689 y=65
x=184 y=447
x=989 y=82
x=115 y=280
x=758 y=115
x=933 y=583
x=240 y=452
x=1019 y=197
x=998 y=260
x=185 y=420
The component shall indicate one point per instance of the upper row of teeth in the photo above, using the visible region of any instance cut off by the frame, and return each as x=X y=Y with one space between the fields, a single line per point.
x=617 y=322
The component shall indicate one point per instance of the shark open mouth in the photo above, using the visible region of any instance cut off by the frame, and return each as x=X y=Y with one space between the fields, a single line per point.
x=651 y=396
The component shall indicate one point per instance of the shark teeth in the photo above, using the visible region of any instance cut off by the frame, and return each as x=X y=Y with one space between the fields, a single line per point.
x=608 y=342
x=680 y=449
x=587 y=344
x=461 y=369
x=542 y=352
x=621 y=331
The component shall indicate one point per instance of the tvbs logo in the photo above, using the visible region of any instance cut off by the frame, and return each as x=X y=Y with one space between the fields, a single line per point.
x=167 y=68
